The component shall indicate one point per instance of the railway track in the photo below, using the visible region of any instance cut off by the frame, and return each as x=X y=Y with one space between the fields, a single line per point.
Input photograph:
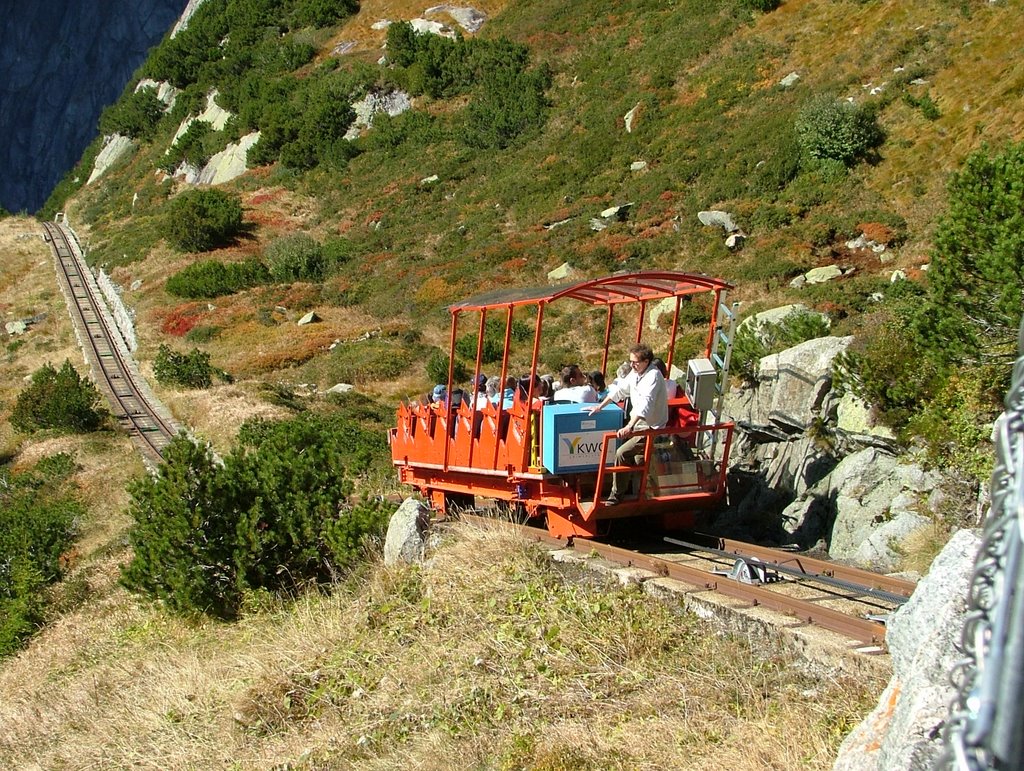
x=112 y=367
x=805 y=591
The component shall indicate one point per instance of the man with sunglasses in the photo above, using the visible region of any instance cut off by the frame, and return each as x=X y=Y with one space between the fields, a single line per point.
x=645 y=388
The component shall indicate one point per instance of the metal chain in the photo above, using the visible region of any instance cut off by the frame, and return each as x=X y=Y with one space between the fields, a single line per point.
x=985 y=728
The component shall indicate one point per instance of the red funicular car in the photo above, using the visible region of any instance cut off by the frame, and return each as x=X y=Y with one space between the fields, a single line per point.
x=553 y=462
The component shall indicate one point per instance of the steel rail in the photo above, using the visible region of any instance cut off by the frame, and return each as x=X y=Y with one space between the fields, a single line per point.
x=862 y=630
x=888 y=588
x=126 y=397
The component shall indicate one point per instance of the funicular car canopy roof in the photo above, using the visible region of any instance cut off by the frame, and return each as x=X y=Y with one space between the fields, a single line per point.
x=642 y=286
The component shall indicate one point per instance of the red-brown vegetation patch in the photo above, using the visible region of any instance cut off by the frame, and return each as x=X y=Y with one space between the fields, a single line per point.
x=178 y=321
x=877 y=232
x=269 y=219
x=263 y=196
x=513 y=265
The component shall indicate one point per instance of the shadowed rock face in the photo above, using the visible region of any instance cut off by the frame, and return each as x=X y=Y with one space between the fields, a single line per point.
x=61 y=62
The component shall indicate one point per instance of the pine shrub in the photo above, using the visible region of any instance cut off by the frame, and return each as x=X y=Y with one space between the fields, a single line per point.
x=829 y=129
x=212 y=278
x=199 y=220
x=191 y=370
x=295 y=257
x=38 y=523
x=274 y=516
x=58 y=399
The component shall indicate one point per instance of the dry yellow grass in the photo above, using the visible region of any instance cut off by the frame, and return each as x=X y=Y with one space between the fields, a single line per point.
x=488 y=658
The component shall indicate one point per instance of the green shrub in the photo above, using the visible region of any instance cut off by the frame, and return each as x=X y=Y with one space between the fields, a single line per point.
x=764 y=6
x=191 y=370
x=38 y=523
x=134 y=115
x=182 y=58
x=365 y=360
x=200 y=220
x=957 y=423
x=412 y=126
x=58 y=399
x=755 y=341
x=336 y=253
x=889 y=369
x=295 y=257
x=346 y=536
x=213 y=278
x=324 y=13
x=437 y=369
x=192 y=147
x=768 y=218
x=925 y=104
x=184 y=532
x=466 y=346
x=976 y=279
x=506 y=105
x=273 y=517
x=203 y=333
x=832 y=130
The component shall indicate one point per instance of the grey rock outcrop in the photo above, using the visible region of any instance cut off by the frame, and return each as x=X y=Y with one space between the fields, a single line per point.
x=115 y=147
x=407 y=533
x=791 y=388
x=903 y=731
x=823 y=274
x=630 y=117
x=563 y=272
x=229 y=162
x=781 y=449
x=470 y=19
x=718 y=219
x=864 y=509
x=777 y=315
x=856 y=427
x=391 y=102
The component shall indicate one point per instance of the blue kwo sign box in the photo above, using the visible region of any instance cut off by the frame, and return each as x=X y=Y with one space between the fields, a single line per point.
x=571 y=439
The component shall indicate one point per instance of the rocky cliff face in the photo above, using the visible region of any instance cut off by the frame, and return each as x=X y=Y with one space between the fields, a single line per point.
x=61 y=62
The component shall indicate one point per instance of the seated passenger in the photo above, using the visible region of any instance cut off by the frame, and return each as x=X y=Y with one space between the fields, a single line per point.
x=671 y=386
x=596 y=380
x=491 y=389
x=439 y=397
x=480 y=391
x=508 y=395
x=523 y=391
x=575 y=387
x=546 y=388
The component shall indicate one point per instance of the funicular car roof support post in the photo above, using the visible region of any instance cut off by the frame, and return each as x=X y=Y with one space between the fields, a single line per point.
x=446 y=404
x=504 y=375
x=672 y=341
x=476 y=374
x=534 y=361
x=607 y=339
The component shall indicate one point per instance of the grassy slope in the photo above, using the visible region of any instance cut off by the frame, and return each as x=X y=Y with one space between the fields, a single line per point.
x=113 y=682
x=488 y=659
